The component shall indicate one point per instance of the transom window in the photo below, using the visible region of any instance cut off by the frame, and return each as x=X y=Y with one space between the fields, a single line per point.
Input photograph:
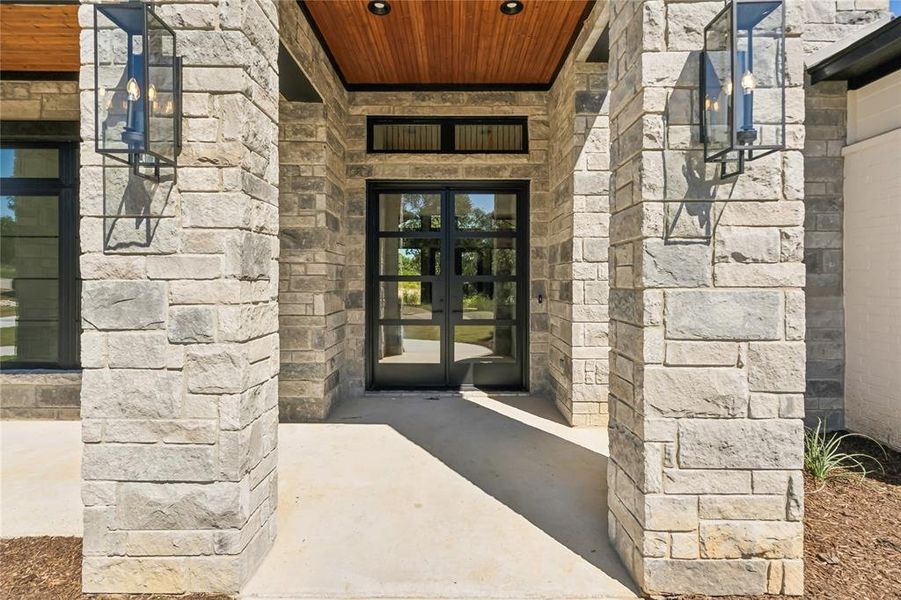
x=39 y=314
x=452 y=135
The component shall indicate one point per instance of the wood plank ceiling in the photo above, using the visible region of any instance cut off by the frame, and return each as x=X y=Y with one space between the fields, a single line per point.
x=447 y=43
x=39 y=37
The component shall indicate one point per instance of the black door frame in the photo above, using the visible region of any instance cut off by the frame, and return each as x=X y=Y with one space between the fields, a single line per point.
x=523 y=278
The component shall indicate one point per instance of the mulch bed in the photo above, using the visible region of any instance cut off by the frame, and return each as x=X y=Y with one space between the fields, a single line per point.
x=852 y=545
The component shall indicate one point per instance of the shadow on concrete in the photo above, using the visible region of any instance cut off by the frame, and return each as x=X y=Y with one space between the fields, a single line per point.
x=558 y=485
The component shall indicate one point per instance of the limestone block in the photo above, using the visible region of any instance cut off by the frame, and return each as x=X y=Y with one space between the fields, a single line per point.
x=126 y=462
x=685 y=545
x=675 y=264
x=184 y=267
x=723 y=315
x=793 y=577
x=143 y=575
x=708 y=354
x=764 y=406
x=695 y=392
x=130 y=394
x=109 y=305
x=742 y=577
x=192 y=324
x=762 y=508
x=137 y=350
x=215 y=369
x=168 y=543
x=740 y=444
x=154 y=506
x=747 y=244
x=670 y=513
x=743 y=539
x=760 y=275
x=776 y=367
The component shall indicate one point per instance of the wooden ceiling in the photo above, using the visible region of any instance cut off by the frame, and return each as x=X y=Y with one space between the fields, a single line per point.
x=447 y=43
x=39 y=37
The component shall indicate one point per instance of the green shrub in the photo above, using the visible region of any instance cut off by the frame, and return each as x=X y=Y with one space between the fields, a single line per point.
x=824 y=460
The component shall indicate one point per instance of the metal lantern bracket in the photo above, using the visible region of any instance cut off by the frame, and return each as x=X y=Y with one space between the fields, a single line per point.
x=740 y=147
x=141 y=153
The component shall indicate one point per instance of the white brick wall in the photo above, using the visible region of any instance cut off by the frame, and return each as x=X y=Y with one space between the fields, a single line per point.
x=872 y=275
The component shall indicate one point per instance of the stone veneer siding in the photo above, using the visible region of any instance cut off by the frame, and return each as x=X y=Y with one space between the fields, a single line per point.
x=707 y=325
x=826 y=21
x=38 y=100
x=39 y=394
x=578 y=167
x=180 y=334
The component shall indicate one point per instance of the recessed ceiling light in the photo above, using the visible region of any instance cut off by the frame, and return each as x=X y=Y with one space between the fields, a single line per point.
x=379 y=7
x=511 y=7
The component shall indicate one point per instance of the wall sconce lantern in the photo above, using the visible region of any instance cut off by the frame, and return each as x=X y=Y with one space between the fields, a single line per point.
x=137 y=88
x=742 y=101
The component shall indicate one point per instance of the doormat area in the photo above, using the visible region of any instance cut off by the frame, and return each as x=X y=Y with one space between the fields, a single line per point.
x=49 y=568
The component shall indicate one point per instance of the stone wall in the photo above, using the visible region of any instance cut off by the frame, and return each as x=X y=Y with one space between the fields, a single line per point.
x=707 y=325
x=578 y=166
x=179 y=316
x=826 y=21
x=38 y=100
x=314 y=228
x=39 y=394
x=46 y=395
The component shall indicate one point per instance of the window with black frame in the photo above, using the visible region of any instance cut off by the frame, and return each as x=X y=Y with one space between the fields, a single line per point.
x=39 y=297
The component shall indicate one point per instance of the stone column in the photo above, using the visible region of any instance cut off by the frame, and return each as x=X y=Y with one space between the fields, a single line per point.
x=707 y=326
x=180 y=335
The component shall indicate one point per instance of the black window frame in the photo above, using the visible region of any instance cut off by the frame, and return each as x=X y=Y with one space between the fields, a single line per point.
x=448 y=126
x=65 y=187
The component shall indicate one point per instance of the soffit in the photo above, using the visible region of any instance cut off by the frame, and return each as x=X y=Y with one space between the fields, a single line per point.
x=40 y=38
x=447 y=43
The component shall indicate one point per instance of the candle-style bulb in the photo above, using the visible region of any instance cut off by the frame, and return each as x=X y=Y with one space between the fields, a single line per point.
x=728 y=88
x=748 y=82
x=151 y=93
x=133 y=90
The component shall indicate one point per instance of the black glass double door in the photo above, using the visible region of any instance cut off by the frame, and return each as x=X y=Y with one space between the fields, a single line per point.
x=447 y=278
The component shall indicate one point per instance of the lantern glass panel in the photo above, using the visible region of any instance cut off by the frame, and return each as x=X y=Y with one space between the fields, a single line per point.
x=161 y=100
x=759 y=74
x=717 y=92
x=119 y=62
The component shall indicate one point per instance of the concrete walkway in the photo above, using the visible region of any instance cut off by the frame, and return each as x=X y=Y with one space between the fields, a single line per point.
x=40 y=478
x=442 y=496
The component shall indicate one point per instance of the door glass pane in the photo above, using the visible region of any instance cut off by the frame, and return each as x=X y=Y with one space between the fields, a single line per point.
x=29 y=288
x=484 y=341
x=409 y=344
x=489 y=300
x=485 y=256
x=409 y=212
x=405 y=300
x=408 y=256
x=485 y=212
x=29 y=162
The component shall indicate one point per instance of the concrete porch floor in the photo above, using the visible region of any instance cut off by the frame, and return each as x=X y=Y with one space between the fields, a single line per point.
x=442 y=496
x=397 y=496
x=40 y=478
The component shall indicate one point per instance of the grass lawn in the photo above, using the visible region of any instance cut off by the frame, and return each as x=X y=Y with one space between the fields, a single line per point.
x=7 y=336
